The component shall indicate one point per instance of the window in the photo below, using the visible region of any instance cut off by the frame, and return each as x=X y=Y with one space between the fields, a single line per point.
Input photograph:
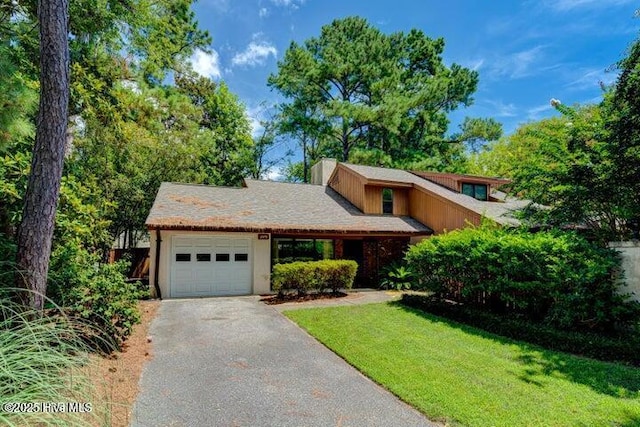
x=478 y=191
x=183 y=257
x=284 y=250
x=222 y=257
x=387 y=201
x=203 y=257
x=241 y=257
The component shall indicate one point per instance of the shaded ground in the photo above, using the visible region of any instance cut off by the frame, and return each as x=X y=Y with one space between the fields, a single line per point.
x=116 y=378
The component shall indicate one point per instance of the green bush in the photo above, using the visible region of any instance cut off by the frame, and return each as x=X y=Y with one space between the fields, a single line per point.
x=397 y=277
x=306 y=276
x=553 y=277
x=622 y=347
x=94 y=291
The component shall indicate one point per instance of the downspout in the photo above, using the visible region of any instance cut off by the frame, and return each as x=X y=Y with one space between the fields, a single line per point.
x=156 y=269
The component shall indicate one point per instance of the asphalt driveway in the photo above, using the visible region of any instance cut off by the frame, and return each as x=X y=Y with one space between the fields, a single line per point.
x=238 y=362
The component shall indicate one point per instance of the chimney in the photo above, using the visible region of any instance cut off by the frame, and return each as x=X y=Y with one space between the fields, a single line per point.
x=321 y=171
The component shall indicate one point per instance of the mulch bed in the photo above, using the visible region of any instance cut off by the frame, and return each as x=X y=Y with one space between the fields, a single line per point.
x=294 y=297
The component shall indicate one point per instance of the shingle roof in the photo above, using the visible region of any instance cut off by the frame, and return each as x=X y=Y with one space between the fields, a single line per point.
x=266 y=206
x=500 y=212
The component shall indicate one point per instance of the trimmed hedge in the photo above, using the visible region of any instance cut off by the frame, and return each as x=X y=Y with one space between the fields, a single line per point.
x=556 y=278
x=621 y=348
x=306 y=276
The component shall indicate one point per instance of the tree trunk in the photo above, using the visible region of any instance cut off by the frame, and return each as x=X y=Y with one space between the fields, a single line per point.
x=41 y=198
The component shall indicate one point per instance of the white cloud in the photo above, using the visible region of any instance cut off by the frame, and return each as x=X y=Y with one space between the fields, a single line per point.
x=263 y=12
x=567 y=5
x=206 y=64
x=256 y=115
x=500 y=109
x=589 y=78
x=536 y=113
x=274 y=174
x=475 y=65
x=294 y=4
x=517 y=65
x=222 y=6
x=256 y=53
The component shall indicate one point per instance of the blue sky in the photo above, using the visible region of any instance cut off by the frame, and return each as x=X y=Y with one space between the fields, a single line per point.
x=526 y=52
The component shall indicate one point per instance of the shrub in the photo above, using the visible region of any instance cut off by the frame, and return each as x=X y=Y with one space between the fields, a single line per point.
x=398 y=277
x=305 y=276
x=553 y=277
x=620 y=348
x=98 y=293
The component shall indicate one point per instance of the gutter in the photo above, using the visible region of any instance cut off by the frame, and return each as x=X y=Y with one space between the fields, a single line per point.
x=156 y=282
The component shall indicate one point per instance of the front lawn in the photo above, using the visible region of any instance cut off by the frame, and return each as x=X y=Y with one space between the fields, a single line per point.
x=468 y=377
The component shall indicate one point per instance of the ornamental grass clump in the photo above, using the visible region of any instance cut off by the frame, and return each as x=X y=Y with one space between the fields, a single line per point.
x=44 y=361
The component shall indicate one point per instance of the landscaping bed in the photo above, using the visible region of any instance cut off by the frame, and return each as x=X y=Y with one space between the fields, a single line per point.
x=621 y=348
x=115 y=377
x=296 y=297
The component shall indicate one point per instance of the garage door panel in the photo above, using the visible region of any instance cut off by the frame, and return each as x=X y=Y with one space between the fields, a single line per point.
x=210 y=266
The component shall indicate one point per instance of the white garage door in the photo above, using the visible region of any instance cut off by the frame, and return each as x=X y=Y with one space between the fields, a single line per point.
x=210 y=266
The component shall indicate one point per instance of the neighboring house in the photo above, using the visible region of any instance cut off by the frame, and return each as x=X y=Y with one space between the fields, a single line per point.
x=208 y=240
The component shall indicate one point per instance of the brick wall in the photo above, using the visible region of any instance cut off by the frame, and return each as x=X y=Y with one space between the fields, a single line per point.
x=379 y=253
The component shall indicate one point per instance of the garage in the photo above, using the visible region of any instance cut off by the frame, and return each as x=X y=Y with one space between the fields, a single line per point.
x=210 y=266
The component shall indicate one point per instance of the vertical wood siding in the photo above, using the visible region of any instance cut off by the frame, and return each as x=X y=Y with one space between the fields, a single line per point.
x=401 y=201
x=439 y=214
x=445 y=181
x=372 y=200
x=349 y=186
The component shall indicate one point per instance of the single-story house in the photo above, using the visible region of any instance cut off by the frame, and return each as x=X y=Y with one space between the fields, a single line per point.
x=212 y=240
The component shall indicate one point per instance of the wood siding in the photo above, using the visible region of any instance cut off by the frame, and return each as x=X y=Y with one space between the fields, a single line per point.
x=439 y=214
x=350 y=186
x=401 y=201
x=373 y=200
x=367 y=198
x=445 y=181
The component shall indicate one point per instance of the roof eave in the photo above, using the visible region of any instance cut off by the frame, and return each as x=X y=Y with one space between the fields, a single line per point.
x=274 y=230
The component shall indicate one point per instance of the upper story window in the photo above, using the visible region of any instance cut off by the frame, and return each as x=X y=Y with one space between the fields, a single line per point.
x=387 y=201
x=478 y=191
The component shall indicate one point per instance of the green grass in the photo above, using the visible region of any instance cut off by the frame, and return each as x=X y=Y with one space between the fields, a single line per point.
x=468 y=377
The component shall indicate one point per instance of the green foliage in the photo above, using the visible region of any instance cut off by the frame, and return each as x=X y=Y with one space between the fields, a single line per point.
x=306 y=276
x=620 y=348
x=551 y=277
x=533 y=157
x=97 y=293
x=18 y=101
x=623 y=125
x=226 y=153
x=585 y=165
x=356 y=87
x=398 y=277
x=43 y=360
x=476 y=132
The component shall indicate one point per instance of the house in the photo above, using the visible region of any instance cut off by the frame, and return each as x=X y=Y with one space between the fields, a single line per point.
x=211 y=240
